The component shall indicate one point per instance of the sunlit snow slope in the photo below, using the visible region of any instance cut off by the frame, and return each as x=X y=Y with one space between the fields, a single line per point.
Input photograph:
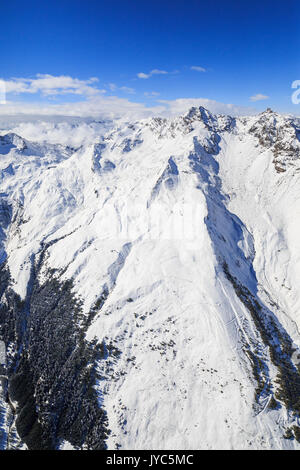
x=158 y=263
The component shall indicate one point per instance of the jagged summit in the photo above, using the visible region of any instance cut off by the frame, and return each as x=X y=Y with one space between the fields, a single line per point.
x=199 y=113
x=268 y=111
x=13 y=140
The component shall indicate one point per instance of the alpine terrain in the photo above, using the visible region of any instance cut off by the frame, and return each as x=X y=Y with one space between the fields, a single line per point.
x=149 y=284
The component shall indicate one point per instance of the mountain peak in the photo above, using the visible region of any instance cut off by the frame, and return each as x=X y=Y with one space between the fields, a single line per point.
x=199 y=113
x=152 y=270
x=267 y=111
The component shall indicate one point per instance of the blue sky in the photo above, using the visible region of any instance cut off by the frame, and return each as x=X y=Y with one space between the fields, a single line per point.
x=151 y=52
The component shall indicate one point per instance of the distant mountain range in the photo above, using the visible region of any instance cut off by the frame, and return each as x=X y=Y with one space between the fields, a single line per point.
x=149 y=283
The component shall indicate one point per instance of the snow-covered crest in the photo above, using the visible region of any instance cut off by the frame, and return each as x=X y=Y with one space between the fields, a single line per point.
x=174 y=232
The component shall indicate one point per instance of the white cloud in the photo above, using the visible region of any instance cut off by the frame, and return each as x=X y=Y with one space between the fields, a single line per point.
x=49 y=85
x=127 y=89
x=112 y=107
x=259 y=97
x=92 y=104
x=143 y=75
x=158 y=72
x=2 y=92
x=153 y=72
x=75 y=123
x=197 y=68
x=112 y=86
x=151 y=93
x=64 y=132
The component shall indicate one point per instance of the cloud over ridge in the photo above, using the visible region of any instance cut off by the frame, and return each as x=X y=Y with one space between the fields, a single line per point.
x=92 y=102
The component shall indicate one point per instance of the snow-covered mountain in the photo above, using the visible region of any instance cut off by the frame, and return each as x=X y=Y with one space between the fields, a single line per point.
x=149 y=285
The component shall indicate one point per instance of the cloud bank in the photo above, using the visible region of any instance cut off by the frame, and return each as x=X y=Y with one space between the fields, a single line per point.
x=49 y=85
x=91 y=102
x=76 y=123
x=113 y=107
x=153 y=72
x=259 y=97
x=197 y=68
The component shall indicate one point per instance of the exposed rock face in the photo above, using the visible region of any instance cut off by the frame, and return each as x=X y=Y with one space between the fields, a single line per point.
x=280 y=135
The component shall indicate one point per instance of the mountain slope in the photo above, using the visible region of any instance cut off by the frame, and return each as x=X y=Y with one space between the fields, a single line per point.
x=149 y=282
